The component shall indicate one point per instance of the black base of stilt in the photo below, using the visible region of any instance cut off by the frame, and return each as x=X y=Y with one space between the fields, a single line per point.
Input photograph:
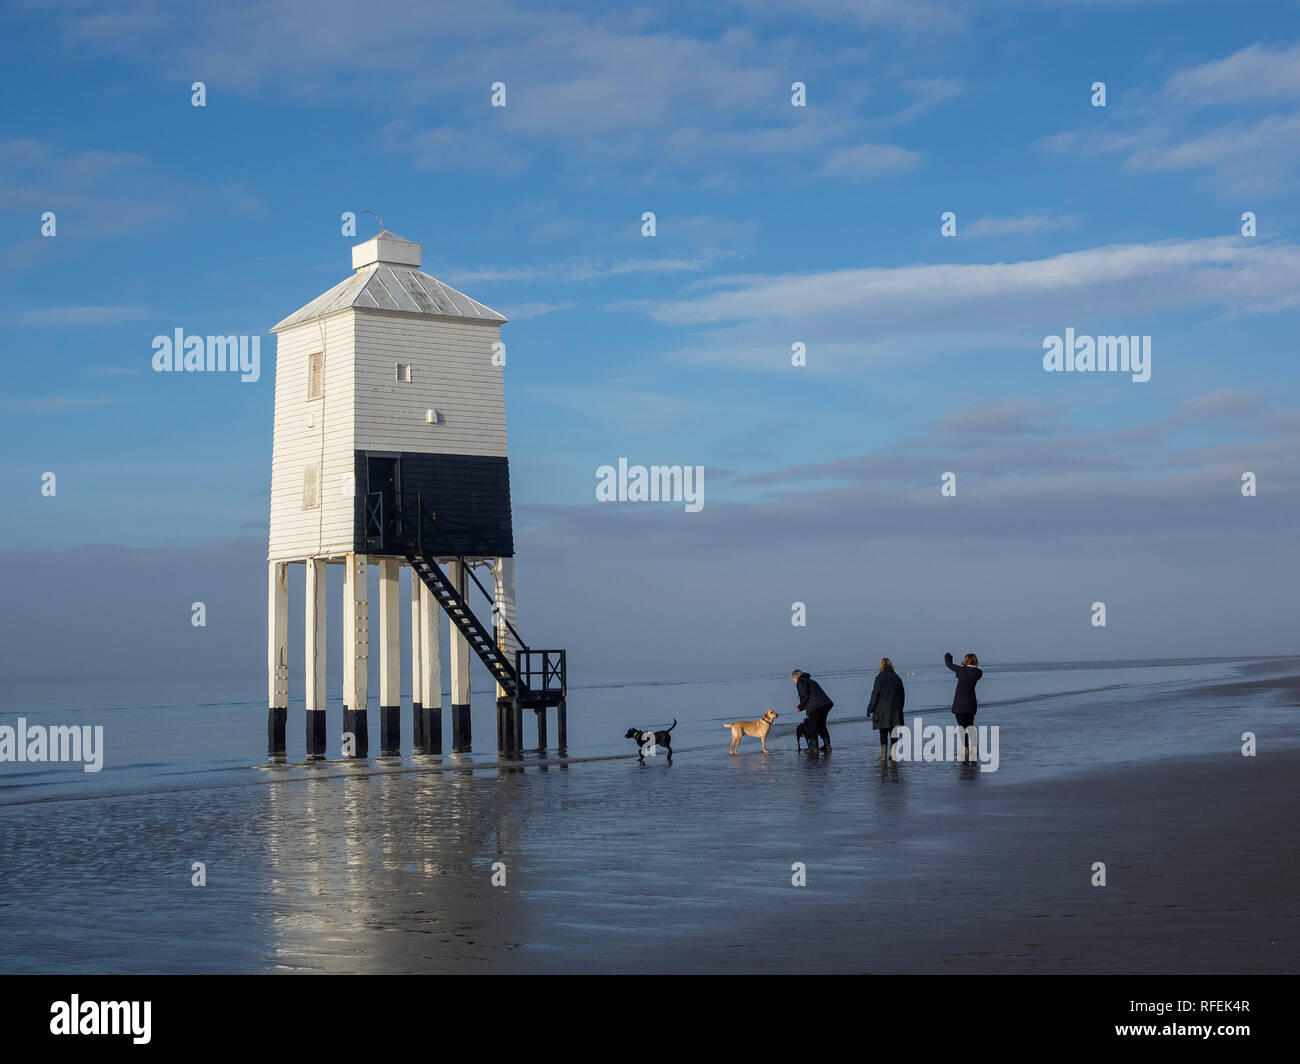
x=417 y=727
x=390 y=730
x=431 y=718
x=510 y=726
x=355 y=723
x=461 y=737
x=562 y=726
x=540 y=714
x=315 y=733
x=276 y=718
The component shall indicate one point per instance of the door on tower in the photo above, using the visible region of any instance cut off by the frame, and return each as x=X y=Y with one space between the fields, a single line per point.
x=382 y=501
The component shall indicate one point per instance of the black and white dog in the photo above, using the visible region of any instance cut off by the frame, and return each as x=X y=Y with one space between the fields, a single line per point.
x=649 y=740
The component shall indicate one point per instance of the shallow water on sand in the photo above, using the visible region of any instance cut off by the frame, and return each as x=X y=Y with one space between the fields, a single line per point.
x=387 y=865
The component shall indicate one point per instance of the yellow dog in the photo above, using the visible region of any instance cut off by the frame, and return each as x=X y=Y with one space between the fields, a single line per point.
x=757 y=728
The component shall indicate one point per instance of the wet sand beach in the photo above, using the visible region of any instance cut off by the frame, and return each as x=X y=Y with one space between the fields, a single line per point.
x=610 y=866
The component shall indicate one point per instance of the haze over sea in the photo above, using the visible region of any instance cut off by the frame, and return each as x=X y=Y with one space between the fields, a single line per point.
x=385 y=864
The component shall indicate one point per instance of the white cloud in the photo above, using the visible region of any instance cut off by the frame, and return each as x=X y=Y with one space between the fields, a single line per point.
x=906 y=16
x=446 y=148
x=527 y=311
x=1256 y=73
x=1245 y=156
x=55 y=404
x=1249 y=155
x=929 y=93
x=99 y=193
x=864 y=162
x=592 y=91
x=1021 y=225
x=78 y=315
x=866 y=310
x=587 y=269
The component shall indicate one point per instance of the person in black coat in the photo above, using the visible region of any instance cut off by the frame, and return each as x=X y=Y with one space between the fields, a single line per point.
x=963 y=699
x=886 y=705
x=817 y=704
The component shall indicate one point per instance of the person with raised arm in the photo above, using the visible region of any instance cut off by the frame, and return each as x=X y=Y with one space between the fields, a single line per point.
x=964 y=704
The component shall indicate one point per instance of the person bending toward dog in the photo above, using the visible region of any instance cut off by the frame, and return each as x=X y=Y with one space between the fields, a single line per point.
x=963 y=699
x=886 y=706
x=817 y=705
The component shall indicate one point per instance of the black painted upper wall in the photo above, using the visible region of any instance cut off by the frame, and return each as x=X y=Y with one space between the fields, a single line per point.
x=469 y=494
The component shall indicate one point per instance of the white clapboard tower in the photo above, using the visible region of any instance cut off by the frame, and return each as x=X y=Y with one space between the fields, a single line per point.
x=390 y=450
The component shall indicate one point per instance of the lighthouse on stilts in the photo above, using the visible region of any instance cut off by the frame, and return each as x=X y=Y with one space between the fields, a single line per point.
x=390 y=450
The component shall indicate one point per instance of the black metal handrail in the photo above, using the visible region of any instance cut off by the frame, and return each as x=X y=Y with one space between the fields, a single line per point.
x=553 y=667
x=420 y=515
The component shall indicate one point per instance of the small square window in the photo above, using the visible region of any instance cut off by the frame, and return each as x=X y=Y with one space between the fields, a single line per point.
x=315 y=371
x=404 y=372
x=311 y=487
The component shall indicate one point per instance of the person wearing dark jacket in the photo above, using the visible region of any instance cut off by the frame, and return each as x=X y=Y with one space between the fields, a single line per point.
x=963 y=699
x=815 y=702
x=886 y=705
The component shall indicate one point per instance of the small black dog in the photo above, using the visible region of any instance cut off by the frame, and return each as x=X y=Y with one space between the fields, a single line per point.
x=661 y=738
x=801 y=732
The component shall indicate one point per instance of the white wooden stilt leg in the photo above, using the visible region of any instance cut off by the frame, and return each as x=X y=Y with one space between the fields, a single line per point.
x=277 y=657
x=390 y=659
x=458 y=645
x=315 y=671
x=417 y=711
x=431 y=670
x=356 y=652
x=504 y=609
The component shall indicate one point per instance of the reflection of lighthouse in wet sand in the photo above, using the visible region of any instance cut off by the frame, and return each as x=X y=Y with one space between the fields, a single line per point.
x=390 y=449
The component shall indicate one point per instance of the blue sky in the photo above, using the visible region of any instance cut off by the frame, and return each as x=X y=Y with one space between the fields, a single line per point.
x=775 y=224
